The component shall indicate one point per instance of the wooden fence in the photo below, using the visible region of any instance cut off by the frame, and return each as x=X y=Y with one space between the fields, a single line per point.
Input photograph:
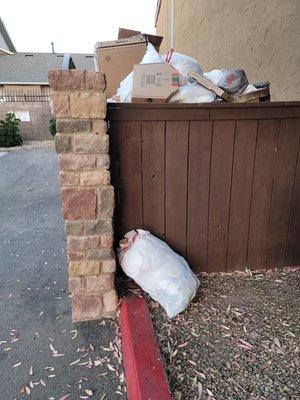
x=220 y=183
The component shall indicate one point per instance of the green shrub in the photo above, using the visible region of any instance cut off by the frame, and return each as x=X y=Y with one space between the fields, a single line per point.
x=52 y=126
x=10 y=132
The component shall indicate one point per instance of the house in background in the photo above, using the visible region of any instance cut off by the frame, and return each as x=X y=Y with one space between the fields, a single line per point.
x=261 y=37
x=24 y=87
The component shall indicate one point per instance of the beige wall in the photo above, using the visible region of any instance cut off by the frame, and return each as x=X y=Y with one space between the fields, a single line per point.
x=260 y=36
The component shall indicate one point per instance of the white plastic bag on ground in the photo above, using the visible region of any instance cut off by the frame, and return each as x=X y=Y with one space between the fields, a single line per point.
x=193 y=93
x=183 y=64
x=231 y=80
x=125 y=89
x=158 y=270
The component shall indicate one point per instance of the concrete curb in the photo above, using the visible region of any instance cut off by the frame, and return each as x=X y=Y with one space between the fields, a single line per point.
x=144 y=370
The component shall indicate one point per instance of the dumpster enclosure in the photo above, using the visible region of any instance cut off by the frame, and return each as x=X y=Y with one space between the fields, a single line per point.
x=219 y=182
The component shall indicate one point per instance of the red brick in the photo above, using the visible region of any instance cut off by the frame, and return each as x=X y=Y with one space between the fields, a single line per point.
x=103 y=161
x=106 y=241
x=99 y=283
x=76 y=162
x=110 y=301
x=86 y=306
x=106 y=201
x=60 y=105
x=95 y=81
x=84 y=268
x=66 y=79
x=76 y=284
x=62 y=143
x=99 y=126
x=79 y=203
x=88 y=105
x=68 y=178
x=108 y=265
x=82 y=242
x=92 y=178
x=91 y=143
x=76 y=255
x=73 y=227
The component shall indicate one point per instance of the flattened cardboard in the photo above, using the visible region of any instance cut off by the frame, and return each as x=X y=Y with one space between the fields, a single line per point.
x=117 y=62
x=156 y=82
x=153 y=39
x=116 y=58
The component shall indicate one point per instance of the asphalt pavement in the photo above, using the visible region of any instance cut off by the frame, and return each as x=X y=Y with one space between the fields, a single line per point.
x=43 y=355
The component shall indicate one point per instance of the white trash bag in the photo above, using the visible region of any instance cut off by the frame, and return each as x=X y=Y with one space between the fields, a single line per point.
x=158 y=270
x=183 y=64
x=193 y=93
x=232 y=80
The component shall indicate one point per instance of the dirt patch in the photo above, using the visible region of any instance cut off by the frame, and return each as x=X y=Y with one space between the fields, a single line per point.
x=30 y=145
x=239 y=339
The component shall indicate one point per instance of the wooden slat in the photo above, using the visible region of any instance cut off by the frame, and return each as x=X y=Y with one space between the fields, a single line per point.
x=156 y=114
x=242 y=177
x=220 y=182
x=153 y=178
x=130 y=176
x=286 y=162
x=292 y=257
x=198 y=193
x=176 y=184
x=255 y=113
x=261 y=193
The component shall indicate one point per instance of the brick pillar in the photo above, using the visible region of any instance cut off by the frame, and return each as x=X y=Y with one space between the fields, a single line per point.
x=79 y=105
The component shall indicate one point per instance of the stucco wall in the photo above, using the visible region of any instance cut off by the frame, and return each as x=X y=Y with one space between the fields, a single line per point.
x=262 y=37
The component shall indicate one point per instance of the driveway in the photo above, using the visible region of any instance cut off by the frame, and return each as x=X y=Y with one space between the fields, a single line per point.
x=43 y=355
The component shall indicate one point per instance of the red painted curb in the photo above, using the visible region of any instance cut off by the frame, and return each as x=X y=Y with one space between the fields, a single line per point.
x=144 y=370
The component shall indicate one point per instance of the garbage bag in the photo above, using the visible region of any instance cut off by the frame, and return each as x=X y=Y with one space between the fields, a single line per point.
x=183 y=64
x=193 y=93
x=158 y=270
x=231 y=80
x=125 y=89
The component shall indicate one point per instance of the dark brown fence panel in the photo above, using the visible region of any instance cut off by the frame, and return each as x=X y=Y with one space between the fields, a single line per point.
x=262 y=192
x=284 y=175
x=177 y=137
x=292 y=256
x=153 y=176
x=241 y=191
x=127 y=154
x=198 y=192
x=224 y=193
x=220 y=184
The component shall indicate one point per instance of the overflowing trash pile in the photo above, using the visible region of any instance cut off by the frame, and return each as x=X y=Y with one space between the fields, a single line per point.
x=137 y=73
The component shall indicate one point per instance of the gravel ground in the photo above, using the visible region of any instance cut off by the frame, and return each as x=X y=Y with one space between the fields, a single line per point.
x=239 y=339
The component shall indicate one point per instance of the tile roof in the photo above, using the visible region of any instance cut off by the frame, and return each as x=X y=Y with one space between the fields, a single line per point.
x=33 y=67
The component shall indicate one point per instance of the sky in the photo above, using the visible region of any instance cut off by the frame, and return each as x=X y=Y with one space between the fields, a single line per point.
x=73 y=25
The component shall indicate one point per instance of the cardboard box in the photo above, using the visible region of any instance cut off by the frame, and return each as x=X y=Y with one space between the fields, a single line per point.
x=126 y=33
x=116 y=58
x=154 y=83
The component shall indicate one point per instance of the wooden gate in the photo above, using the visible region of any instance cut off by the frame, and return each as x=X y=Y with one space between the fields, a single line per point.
x=220 y=183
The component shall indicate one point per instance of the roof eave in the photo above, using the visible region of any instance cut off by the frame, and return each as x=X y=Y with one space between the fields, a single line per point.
x=6 y=36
